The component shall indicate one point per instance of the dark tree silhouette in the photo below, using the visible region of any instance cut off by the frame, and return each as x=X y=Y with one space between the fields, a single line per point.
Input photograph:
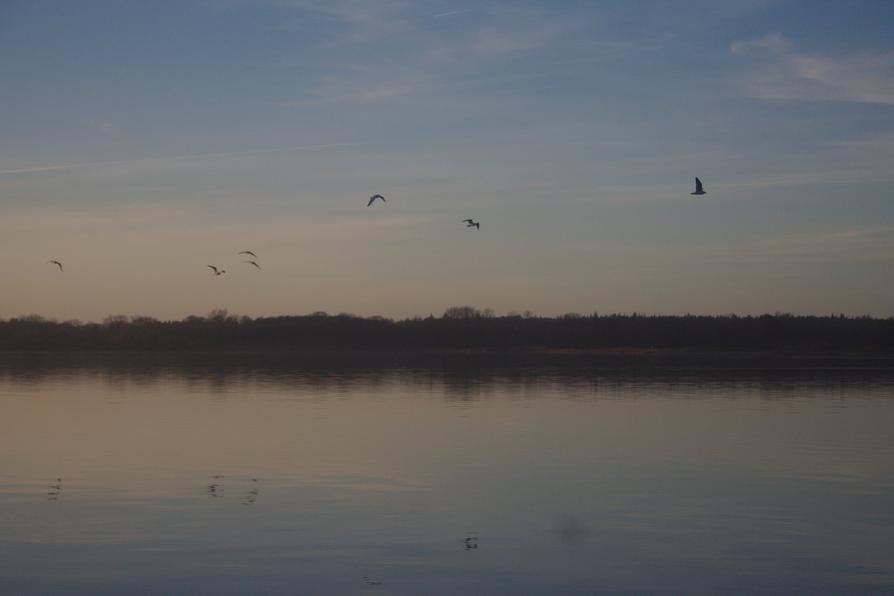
x=460 y=327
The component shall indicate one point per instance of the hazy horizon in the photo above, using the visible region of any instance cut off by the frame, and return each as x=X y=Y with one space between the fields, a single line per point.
x=144 y=142
x=482 y=313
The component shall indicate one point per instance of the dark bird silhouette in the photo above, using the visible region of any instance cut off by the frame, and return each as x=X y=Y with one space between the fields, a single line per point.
x=371 y=581
x=252 y=263
x=252 y=495
x=55 y=490
x=216 y=270
x=471 y=542
x=248 y=252
x=699 y=189
x=472 y=224
x=56 y=263
x=373 y=198
x=468 y=222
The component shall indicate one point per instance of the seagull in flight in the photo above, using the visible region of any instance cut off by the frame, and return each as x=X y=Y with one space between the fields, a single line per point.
x=699 y=189
x=216 y=270
x=248 y=252
x=252 y=263
x=57 y=263
x=472 y=224
x=373 y=198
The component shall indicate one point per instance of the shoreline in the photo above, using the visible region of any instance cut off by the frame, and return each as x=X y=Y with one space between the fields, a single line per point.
x=629 y=358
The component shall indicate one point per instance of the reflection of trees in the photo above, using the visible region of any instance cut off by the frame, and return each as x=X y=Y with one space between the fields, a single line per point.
x=462 y=379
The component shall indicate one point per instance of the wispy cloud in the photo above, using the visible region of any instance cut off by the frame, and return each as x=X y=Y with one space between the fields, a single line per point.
x=360 y=20
x=188 y=223
x=354 y=11
x=498 y=28
x=165 y=159
x=409 y=55
x=452 y=13
x=877 y=143
x=511 y=33
x=375 y=94
x=500 y=40
x=855 y=244
x=785 y=73
x=772 y=42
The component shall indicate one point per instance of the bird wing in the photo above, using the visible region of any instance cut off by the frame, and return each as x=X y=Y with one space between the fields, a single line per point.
x=698 y=185
x=248 y=252
x=371 y=199
x=468 y=221
x=57 y=263
x=253 y=263
x=212 y=267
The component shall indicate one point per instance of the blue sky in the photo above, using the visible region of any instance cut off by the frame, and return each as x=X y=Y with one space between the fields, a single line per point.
x=145 y=140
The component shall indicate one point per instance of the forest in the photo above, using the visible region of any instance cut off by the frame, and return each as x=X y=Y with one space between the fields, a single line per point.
x=462 y=327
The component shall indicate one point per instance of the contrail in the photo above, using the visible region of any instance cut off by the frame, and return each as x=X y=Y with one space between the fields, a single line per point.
x=78 y=166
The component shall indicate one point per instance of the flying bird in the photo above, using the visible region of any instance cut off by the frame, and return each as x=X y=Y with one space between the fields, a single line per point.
x=472 y=224
x=699 y=189
x=248 y=252
x=252 y=263
x=373 y=198
x=216 y=270
x=56 y=263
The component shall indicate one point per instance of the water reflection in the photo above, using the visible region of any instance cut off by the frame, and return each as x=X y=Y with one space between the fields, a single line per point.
x=306 y=474
x=458 y=377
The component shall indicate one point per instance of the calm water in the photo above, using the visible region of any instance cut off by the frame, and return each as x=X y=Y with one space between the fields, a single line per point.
x=224 y=476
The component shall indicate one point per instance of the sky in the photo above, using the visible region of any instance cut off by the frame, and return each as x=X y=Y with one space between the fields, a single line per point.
x=143 y=141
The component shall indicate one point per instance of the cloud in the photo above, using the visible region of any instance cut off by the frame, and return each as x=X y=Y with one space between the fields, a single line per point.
x=511 y=33
x=191 y=223
x=848 y=245
x=876 y=143
x=452 y=13
x=360 y=20
x=498 y=40
x=500 y=29
x=361 y=12
x=772 y=42
x=165 y=159
x=376 y=94
x=785 y=73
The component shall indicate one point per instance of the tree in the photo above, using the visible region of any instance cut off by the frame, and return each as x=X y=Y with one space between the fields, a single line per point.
x=218 y=314
x=462 y=312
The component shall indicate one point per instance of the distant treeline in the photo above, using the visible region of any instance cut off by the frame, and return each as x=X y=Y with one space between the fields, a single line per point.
x=458 y=328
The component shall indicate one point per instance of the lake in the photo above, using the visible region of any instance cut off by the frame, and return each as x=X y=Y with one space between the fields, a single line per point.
x=290 y=474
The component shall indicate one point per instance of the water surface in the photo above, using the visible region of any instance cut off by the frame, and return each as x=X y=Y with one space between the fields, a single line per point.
x=237 y=475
